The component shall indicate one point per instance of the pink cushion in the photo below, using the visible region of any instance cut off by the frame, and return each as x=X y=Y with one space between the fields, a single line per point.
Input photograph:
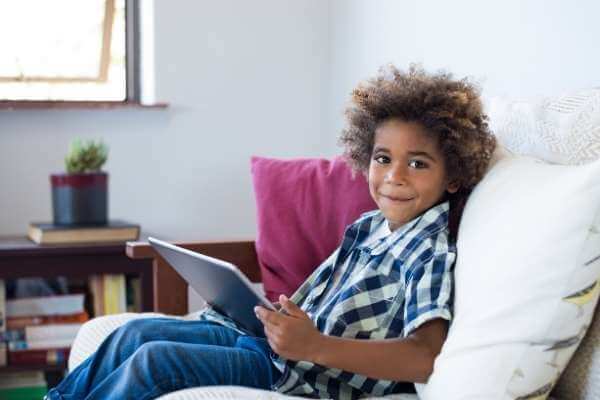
x=303 y=208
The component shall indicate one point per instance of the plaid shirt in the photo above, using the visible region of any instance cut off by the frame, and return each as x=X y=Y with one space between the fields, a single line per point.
x=388 y=288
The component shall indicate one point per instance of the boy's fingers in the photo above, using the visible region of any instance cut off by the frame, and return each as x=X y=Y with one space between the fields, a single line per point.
x=290 y=307
x=266 y=316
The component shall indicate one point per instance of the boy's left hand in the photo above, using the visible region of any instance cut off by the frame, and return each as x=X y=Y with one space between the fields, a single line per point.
x=291 y=335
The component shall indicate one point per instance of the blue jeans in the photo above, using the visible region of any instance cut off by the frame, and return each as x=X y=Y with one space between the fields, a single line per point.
x=146 y=358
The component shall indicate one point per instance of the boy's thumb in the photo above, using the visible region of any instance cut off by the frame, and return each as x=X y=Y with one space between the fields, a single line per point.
x=290 y=307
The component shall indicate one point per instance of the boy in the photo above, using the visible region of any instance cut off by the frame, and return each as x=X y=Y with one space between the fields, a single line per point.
x=427 y=144
x=423 y=142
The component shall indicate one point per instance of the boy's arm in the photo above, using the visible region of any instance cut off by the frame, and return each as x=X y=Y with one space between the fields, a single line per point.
x=295 y=337
x=407 y=360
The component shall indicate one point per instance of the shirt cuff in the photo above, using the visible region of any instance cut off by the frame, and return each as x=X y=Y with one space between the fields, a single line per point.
x=440 y=312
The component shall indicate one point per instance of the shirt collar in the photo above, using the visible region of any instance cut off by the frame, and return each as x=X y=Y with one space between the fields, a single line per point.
x=433 y=220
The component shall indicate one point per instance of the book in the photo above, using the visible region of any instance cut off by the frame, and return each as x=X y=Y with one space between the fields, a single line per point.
x=3 y=354
x=40 y=344
x=114 y=294
x=134 y=294
x=24 y=393
x=51 y=332
x=23 y=385
x=38 y=357
x=2 y=306
x=96 y=285
x=113 y=231
x=12 y=334
x=22 y=378
x=108 y=293
x=17 y=323
x=64 y=304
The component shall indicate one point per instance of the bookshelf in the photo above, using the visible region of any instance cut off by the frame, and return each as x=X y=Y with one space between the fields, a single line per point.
x=21 y=258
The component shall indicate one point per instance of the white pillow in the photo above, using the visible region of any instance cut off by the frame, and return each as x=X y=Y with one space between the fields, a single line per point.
x=563 y=130
x=526 y=281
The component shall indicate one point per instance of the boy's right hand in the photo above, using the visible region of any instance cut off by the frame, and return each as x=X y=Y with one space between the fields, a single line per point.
x=290 y=331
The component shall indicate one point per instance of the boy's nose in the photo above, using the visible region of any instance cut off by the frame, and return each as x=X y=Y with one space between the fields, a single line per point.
x=396 y=175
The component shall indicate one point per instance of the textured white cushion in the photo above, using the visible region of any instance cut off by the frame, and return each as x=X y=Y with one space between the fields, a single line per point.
x=526 y=281
x=93 y=332
x=239 y=393
x=563 y=130
x=581 y=378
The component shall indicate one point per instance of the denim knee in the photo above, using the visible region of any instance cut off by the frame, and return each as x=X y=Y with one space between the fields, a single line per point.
x=160 y=362
x=140 y=328
x=149 y=355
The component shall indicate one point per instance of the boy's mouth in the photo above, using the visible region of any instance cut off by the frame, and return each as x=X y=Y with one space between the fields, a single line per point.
x=395 y=198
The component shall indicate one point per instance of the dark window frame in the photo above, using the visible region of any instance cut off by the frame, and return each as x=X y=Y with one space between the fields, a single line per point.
x=132 y=51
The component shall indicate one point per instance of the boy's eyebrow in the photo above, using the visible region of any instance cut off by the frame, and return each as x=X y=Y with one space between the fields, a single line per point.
x=380 y=148
x=422 y=154
x=410 y=153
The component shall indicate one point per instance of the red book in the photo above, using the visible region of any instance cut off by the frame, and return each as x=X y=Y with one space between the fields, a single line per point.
x=16 y=323
x=38 y=357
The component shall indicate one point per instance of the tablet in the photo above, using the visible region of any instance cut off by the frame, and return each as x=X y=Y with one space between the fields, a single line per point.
x=219 y=283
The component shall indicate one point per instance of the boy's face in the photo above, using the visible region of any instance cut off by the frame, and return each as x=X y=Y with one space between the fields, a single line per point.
x=407 y=173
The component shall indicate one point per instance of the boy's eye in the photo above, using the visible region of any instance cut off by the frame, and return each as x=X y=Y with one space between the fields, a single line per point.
x=417 y=164
x=381 y=159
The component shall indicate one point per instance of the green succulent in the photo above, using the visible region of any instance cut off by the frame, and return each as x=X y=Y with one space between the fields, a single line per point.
x=86 y=156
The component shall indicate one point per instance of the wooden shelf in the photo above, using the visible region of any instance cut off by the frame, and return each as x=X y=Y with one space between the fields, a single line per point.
x=34 y=367
x=70 y=105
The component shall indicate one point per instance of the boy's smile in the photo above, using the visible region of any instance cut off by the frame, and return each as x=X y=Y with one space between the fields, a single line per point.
x=407 y=172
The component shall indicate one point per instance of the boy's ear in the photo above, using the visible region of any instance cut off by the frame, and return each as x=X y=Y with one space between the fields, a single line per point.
x=452 y=187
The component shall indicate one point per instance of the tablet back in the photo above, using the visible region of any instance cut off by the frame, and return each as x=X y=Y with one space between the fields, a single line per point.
x=218 y=282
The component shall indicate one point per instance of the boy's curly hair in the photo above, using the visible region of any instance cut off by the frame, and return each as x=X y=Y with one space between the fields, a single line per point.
x=450 y=110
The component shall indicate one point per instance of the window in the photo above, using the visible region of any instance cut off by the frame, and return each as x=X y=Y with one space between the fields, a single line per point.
x=68 y=50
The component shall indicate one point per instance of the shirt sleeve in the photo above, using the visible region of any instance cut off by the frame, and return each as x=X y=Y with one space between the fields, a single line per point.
x=428 y=293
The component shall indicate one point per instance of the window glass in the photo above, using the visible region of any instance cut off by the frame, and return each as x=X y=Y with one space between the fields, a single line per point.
x=62 y=50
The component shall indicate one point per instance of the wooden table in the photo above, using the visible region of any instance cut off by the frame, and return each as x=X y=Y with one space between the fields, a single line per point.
x=20 y=258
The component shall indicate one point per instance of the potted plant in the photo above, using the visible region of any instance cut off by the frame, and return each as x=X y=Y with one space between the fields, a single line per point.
x=80 y=196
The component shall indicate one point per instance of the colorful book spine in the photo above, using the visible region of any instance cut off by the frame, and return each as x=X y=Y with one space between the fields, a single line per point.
x=51 y=332
x=11 y=335
x=3 y=354
x=96 y=285
x=22 y=385
x=15 y=323
x=2 y=306
x=38 y=357
x=65 y=304
x=39 y=344
x=23 y=393
x=115 y=301
x=134 y=294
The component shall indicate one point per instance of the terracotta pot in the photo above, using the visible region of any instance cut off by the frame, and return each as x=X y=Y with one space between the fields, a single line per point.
x=80 y=199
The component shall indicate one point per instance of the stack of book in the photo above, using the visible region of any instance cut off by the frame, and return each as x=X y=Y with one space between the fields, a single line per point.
x=113 y=231
x=24 y=385
x=40 y=330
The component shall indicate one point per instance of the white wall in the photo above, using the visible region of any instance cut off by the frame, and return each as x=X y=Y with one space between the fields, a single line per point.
x=271 y=77
x=241 y=77
x=513 y=47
